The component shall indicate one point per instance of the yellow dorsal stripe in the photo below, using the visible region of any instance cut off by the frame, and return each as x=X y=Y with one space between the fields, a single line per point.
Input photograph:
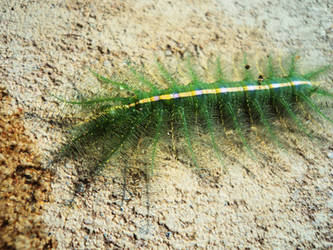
x=212 y=91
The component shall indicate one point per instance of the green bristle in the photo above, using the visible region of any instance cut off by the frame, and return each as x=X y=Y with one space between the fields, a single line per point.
x=186 y=132
x=93 y=101
x=238 y=126
x=143 y=79
x=218 y=72
x=193 y=74
x=117 y=84
x=209 y=123
x=308 y=101
x=156 y=138
x=288 y=108
x=271 y=72
x=324 y=93
x=292 y=66
x=167 y=76
x=314 y=74
x=264 y=120
x=119 y=127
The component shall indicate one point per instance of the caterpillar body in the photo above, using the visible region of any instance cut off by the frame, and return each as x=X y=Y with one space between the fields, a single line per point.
x=119 y=123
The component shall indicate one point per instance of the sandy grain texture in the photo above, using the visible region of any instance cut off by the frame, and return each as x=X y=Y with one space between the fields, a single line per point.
x=46 y=47
x=25 y=187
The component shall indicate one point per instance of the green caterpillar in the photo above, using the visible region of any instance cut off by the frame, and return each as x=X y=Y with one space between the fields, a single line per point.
x=119 y=123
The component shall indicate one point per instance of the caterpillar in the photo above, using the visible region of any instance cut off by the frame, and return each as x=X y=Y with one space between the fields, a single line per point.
x=122 y=120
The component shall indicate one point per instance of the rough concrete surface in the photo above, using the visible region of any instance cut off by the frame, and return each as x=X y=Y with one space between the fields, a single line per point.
x=283 y=199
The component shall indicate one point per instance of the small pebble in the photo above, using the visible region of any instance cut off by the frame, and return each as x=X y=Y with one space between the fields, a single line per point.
x=168 y=52
x=107 y=238
x=330 y=155
x=88 y=221
x=80 y=188
x=168 y=234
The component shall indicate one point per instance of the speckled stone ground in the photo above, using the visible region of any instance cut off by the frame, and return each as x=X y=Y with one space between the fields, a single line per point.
x=47 y=47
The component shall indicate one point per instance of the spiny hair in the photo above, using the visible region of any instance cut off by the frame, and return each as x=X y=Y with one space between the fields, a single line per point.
x=119 y=122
